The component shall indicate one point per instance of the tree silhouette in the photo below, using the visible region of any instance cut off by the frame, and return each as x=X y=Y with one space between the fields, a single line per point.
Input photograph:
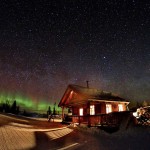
x=54 y=109
x=6 y=107
x=49 y=111
x=138 y=104
x=144 y=104
x=17 y=110
x=14 y=107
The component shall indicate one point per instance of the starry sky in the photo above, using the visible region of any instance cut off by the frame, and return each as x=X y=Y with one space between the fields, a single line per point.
x=47 y=44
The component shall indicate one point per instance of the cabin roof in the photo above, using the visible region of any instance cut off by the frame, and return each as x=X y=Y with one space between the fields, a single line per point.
x=88 y=94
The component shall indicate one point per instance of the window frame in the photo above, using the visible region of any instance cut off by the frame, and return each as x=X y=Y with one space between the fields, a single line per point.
x=120 y=107
x=92 y=109
x=108 y=108
x=80 y=111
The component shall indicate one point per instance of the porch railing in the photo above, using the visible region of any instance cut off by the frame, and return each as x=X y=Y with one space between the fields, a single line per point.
x=111 y=119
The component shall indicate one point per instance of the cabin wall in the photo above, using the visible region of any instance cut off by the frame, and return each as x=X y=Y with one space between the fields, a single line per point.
x=124 y=107
x=75 y=110
x=103 y=108
x=98 y=108
x=84 y=110
x=114 y=106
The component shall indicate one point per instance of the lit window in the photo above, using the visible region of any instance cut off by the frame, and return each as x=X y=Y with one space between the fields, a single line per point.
x=92 y=110
x=108 y=108
x=81 y=111
x=120 y=106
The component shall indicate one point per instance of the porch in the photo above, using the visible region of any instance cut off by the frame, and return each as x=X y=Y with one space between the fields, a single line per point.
x=113 y=119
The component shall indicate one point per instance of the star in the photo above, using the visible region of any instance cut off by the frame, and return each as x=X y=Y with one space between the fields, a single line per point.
x=46 y=46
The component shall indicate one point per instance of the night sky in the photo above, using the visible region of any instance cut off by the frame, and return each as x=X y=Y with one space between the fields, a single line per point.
x=47 y=44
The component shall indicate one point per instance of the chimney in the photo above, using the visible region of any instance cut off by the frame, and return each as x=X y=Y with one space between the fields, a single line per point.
x=87 y=83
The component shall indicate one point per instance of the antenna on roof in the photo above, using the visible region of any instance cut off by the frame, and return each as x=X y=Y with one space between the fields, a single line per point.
x=87 y=83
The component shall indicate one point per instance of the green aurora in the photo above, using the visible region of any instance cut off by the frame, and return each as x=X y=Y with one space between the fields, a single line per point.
x=26 y=102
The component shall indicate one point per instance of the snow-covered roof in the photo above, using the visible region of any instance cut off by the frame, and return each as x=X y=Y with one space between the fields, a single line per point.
x=92 y=92
x=89 y=93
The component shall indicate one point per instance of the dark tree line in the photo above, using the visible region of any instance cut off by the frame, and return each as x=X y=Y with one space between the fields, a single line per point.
x=52 y=112
x=7 y=108
x=137 y=104
x=13 y=108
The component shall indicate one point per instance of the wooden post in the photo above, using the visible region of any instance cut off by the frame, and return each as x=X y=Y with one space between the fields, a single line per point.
x=88 y=114
x=79 y=119
x=62 y=113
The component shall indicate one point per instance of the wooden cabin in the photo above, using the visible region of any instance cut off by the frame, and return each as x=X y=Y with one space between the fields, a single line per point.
x=92 y=106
